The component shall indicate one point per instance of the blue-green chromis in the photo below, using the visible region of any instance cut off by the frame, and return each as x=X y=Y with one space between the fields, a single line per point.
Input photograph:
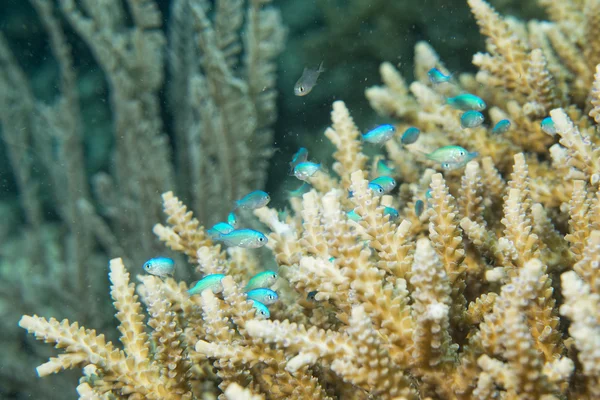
x=386 y=182
x=419 y=207
x=548 y=126
x=300 y=156
x=311 y=295
x=380 y=135
x=471 y=119
x=384 y=168
x=392 y=212
x=410 y=135
x=253 y=200
x=306 y=169
x=232 y=220
x=212 y=282
x=436 y=76
x=261 y=309
x=159 y=266
x=467 y=101
x=264 y=295
x=501 y=127
x=218 y=229
x=449 y=154
x=263 y=279
x=246 y=238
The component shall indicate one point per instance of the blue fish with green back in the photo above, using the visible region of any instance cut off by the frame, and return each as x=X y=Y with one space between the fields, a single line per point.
x=386 y=182
x=159 y=266
x=501 y=127
x=392 y=212
x=436 y=76
x=263 y=279
x=246 y=238
x=467 y=101
x=384 y=169
x=264 y=295
x=306 y=169
x=212 y=282
x=220 y=228
x=380 y=135
x=300 y=156
x=261 y=309
x=548 y=126
x=410 y=135
x=352 y=215
x=232 y=220
x=419 y=207
x=253 y=200
x=471 y=119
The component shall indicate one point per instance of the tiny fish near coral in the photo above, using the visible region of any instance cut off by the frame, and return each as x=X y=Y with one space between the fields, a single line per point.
x=253 y=200
x=380 y=135
x=436 y=76
x=246 y=238
x=466 y=102
x=212 y=282
x=471 y=119
x=306 y=169
x=261 y=309
x=263 y=279
x=308 y=80
x=159 y=266
x=410 y=135
x=264 y=295
x=501 y=127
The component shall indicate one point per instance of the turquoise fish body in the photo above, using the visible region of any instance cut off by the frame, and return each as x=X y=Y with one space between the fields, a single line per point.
x=466 y=102
x=253 y=200
x=386 y=182
x=501 y=127
x=410 y=135
x=353 y=216
x=220 y=228
x=383 y=168
x=264 y=295
x=212 y=282
x=392 y=212
x=261 y=309
x=232 y=220
x=263 y=279
x=305 y=170
x=436 y=76
x=449 y=154
x=300 y=156
x=380 y=135
x=548 y=126
x=471 y=119
x=159 y=266
x=246 y=238
x=419 y=207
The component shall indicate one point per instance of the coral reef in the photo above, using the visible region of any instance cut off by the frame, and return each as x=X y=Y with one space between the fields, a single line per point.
x=490 y=292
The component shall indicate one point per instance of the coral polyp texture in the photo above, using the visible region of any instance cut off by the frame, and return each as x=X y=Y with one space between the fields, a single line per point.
x=489 y=289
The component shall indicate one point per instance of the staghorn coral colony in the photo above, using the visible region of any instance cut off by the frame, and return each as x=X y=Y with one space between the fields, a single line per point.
x=490 y=291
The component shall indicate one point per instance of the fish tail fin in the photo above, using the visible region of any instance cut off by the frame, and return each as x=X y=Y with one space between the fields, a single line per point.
x=321 y=68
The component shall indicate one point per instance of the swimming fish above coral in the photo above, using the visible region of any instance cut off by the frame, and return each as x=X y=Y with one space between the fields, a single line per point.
x=436 y=76
x=467 y=101
x=471 y=119
x=306 y=169
x=261 y=309
x=246 y=238
x=232 y=220
x=253 y=200
x=548 y=126
x=300 y=190
x=264 y=295
x=308 y=80
x=380 y=135
x=501 y=126
x=263 y=279
x=449 y=154
x=410 y=135
x=159 y=266
x=383 y=168
x=386 y=182
x=392 y=212
x=212 y=282
x=300 y=156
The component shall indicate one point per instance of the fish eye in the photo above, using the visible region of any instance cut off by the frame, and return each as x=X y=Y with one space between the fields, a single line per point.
x=301 y=88
x=445 y=165
x=261 y=239
x=461 y=153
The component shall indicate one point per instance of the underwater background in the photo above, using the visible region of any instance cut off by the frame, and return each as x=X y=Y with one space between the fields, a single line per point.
x=91 y=138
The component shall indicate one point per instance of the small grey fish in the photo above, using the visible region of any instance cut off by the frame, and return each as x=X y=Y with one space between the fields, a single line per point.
x=308 y=80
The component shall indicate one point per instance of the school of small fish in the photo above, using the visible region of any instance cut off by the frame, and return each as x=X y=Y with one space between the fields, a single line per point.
x=258 y=288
